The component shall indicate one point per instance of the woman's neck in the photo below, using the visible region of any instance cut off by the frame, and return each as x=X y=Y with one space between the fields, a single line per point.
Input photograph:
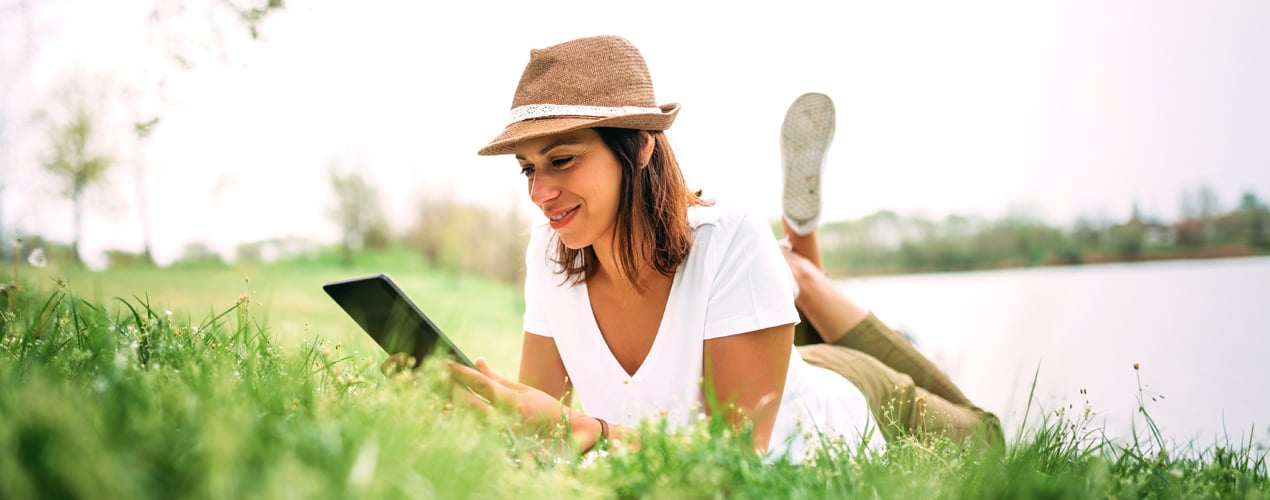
x=608 y=268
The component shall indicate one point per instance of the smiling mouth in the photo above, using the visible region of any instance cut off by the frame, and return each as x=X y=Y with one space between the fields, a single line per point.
x=563 y=214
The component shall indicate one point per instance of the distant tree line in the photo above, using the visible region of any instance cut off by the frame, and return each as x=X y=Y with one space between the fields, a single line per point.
x=886 y=243
x=79 y=154
x=454 y=236
x=469 y=238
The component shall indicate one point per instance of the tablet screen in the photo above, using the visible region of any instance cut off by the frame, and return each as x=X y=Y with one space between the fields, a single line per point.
x=385 y=313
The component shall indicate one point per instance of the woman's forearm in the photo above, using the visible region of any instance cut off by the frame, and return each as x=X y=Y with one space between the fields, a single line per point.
x=587 y=431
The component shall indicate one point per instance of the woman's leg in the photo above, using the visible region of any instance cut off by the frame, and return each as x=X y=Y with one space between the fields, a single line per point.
x=806 y=245
x=901 y=407
x=906 y=391
x=902 y=386
x=841 y=321
x=829 y=312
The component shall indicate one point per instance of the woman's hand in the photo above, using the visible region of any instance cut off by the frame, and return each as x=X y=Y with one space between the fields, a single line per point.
x=538 y=411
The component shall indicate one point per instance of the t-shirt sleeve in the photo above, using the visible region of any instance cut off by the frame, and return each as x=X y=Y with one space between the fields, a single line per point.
x=752 y=288
x=537 y=273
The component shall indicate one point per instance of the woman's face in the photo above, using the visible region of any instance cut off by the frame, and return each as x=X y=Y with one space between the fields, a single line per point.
x=574 y=179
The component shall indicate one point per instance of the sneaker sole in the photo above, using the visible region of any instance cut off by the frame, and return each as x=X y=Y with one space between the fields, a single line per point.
x=806 y=135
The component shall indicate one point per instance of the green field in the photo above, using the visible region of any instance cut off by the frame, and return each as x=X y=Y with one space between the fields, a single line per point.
x=250 y=383
x=287 y=299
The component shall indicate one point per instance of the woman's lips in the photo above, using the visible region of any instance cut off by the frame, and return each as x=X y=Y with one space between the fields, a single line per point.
x=560 y=219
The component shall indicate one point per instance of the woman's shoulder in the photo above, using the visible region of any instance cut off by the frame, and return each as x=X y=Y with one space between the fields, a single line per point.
x=724 y=221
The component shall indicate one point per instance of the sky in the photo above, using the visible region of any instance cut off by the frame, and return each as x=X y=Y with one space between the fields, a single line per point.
x=1062 y=109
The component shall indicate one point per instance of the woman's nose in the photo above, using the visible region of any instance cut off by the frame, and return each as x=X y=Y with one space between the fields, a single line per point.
x=542 y=189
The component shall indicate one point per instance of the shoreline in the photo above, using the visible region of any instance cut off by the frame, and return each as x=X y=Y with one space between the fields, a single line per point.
x=844 y=273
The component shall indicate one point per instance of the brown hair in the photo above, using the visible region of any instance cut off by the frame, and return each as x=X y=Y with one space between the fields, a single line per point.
x=652 y=212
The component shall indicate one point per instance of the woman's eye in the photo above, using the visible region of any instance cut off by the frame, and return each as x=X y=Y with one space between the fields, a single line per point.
x=527 y=170
x=560 y=162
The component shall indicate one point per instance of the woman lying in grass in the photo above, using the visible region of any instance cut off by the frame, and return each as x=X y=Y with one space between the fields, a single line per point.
x=649 y=302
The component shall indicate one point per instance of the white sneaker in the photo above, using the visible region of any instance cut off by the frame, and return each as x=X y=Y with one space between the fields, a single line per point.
x=805 y=138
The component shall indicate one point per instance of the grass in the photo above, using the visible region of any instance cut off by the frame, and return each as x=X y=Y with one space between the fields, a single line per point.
x=288 y=300
x=116 y=398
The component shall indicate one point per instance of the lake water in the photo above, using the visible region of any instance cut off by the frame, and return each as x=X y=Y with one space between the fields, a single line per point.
x=1200 y=331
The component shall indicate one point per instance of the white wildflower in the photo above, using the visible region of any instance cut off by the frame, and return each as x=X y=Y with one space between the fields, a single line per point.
x=37 y=258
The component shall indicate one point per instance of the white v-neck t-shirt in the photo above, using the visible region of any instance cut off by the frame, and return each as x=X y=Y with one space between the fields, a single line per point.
x=734 y=281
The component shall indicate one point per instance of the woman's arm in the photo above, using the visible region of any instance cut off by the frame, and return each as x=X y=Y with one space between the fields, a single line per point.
x=539 y=411
x=542 y=368
x=747 y=372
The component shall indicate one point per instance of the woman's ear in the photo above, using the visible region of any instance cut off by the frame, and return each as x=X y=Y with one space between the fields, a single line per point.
x=646 y=153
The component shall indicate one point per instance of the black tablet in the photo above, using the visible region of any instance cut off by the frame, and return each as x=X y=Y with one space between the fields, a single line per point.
x=391 y=318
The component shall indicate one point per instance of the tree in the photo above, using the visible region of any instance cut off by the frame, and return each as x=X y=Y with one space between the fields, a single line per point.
x=181 y=34
x=357 y=212
x=1255 y=219
x=465 y=237
x=141 y=132
x=178 y=30
x=73 y=157
x=1209 y=203
x=1128 y=240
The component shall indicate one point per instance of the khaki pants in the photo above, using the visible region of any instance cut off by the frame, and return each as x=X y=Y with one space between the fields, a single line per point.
x=906 y=393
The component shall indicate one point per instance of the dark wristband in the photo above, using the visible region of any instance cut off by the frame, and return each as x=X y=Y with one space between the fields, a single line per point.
x=602 y=442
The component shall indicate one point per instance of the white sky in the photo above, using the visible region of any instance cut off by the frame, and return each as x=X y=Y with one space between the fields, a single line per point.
x=1070 y=108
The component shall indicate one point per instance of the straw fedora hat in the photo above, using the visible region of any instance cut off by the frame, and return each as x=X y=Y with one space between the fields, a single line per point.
x=589 y=82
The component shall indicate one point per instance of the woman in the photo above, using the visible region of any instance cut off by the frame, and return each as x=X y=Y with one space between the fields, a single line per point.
x=648 y=302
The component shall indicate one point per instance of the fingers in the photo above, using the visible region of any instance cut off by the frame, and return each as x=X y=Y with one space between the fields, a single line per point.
x=478 y=382
x=489 y=372
x=475 y=402
x=485 y=369
x=530 y=407
x=478 y=391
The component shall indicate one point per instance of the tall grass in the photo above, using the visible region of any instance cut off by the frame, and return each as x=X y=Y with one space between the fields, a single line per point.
x=121 y=400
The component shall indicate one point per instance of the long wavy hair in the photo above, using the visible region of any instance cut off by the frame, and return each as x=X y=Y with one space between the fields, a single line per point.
x=652 y=212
